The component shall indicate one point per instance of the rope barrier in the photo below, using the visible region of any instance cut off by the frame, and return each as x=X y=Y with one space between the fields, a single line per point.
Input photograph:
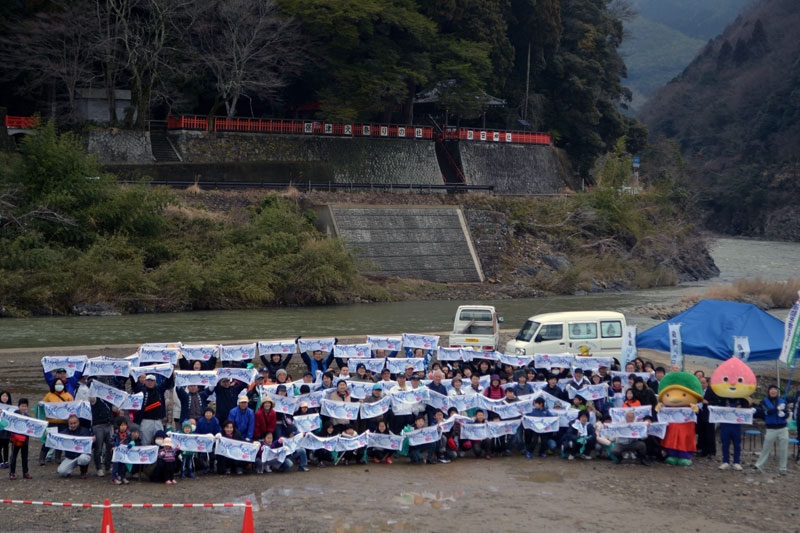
x=108 y=524
x=124 y=505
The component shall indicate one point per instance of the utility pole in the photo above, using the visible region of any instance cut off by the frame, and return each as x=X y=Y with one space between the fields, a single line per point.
x=527 y=82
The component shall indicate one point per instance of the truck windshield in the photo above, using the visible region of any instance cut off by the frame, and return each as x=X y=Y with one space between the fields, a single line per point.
x=527 y=331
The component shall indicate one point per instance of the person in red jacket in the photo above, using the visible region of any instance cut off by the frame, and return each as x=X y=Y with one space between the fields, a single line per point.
x=266 y=419
x=494 y=391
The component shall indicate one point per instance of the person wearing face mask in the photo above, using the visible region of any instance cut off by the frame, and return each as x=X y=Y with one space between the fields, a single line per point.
x=57 y=394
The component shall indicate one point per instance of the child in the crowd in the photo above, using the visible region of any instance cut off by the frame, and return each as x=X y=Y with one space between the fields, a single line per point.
x=418 y=453
x=121 y=437
x=187 y=458
x=579 y=439
x=167 y=456
x=271 y=464
x=381 y=454
x=5 y=436
x=443 y=453
x=481 y=448
x=604 y=443
x=322 y=455
x=353 y=456
x=532 y=438
x=19 y=443
x=207 y=425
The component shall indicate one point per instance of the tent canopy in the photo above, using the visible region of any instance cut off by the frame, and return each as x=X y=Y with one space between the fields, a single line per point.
x=708 y=328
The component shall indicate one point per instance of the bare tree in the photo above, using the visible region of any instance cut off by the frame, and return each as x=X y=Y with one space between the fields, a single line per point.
x=151 y=32
x=248 y=48
x=108 y=52
x=53 y=49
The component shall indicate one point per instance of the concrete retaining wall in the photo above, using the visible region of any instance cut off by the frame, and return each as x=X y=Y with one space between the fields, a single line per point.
x=338 y=160
x=514 y=168
x=430 y=243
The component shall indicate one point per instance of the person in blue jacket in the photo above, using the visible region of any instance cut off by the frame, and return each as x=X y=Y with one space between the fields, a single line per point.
x=775 y=414
x=317 y=361
x=243 y=418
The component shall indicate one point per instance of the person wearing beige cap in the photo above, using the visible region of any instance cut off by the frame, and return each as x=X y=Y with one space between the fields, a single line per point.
x=243 y=418
x=167 y=455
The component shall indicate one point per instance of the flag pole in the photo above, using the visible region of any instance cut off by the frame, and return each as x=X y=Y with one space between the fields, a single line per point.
x=789 y=381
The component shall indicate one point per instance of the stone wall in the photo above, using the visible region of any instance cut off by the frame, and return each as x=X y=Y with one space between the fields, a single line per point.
x=247 y=157
x=515 y=168
x=119 y=146
x=341 y=160
x=430 y=243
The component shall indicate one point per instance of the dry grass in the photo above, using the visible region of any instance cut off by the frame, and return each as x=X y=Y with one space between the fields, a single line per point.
x=194 y=213
x=764 y=294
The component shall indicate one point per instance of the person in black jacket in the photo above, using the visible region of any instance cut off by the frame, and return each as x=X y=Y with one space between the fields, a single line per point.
x=73 y=459
x=274 y=362
x=103 y=414
x=154 y=411
x=643 y=393
x=227 y=394
x=706 y=431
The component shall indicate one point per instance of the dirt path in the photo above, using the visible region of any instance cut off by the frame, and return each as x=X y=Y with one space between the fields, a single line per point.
x=504 y=494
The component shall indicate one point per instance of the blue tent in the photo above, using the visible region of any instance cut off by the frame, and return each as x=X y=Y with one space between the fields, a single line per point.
x=708 y=328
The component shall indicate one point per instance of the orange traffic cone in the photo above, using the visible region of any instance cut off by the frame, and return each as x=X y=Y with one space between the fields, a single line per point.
x=108 y=523
x=247 y=523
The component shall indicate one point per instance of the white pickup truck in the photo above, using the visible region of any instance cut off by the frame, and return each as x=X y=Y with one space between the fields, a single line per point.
x=476 y=327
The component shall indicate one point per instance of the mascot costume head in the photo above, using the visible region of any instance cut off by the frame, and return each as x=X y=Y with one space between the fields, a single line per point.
x=679 y=389
x=733 y=379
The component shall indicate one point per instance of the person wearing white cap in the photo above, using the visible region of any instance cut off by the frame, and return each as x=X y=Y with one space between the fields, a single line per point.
x=153 y=411
x=243 y=418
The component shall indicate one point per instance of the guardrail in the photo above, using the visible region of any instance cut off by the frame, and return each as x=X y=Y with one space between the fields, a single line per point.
x=312 y=186
x=389 y=131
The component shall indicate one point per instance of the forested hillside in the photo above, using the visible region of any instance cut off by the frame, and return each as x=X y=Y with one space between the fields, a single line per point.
x=665 y=35
x=555 y=63
x=735 y=112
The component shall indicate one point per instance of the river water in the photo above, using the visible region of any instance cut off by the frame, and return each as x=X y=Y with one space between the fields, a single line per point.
x=736 y=259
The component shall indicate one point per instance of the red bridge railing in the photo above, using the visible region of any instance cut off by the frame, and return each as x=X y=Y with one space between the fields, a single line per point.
x=391 y=131
x=21 y=122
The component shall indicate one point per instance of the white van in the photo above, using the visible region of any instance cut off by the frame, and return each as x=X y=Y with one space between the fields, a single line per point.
x=553 y=333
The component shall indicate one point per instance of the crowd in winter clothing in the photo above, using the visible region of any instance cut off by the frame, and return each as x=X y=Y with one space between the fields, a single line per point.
x=244 y=411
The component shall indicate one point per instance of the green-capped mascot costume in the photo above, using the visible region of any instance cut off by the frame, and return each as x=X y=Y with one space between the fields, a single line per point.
x=679 y=389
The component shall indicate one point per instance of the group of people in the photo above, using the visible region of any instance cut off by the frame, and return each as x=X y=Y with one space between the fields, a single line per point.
x=246 y=411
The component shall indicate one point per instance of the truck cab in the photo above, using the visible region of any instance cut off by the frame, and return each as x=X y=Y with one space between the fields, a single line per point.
x=476 y=327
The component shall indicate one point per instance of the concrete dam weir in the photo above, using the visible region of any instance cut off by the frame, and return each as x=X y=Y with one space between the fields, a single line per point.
x=418 y=242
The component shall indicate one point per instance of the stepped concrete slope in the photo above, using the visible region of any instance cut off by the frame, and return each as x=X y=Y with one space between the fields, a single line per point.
x=429 y=243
